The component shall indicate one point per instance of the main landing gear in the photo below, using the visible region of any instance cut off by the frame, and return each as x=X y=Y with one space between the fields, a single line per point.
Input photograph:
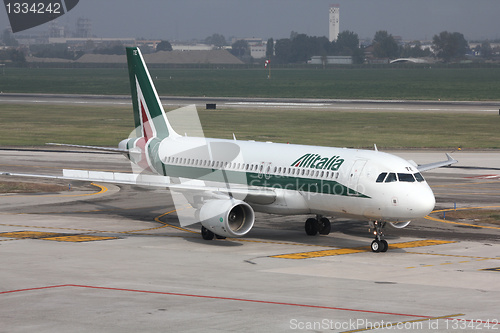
x=319 y=224
x=379 y=244
x=208 y=235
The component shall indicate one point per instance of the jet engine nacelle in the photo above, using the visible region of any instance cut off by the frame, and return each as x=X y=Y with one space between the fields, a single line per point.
x=399 y=225
x=228 y=218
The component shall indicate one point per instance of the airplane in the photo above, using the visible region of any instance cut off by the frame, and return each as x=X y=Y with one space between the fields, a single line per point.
x=225 y=181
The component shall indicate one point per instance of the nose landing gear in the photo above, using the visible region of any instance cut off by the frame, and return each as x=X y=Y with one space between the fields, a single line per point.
x=379 y=244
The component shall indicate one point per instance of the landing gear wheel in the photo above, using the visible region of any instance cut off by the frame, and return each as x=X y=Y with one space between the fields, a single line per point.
x=324 y=226
x=376 y=245
x=207 y=234
x=311 y=227
x=385 y=245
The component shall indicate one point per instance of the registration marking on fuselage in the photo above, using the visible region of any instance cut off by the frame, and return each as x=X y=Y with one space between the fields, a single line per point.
x=336 y=252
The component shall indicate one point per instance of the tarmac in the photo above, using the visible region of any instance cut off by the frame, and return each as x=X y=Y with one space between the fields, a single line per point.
x=109 y=258
x=474 y=107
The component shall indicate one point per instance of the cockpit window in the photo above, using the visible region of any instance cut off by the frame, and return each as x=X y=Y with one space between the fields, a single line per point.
x=381 y=177
x=391 y=178
x=419 y=177
x=406 y=177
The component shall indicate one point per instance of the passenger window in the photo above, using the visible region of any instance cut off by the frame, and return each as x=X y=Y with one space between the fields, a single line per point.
x=419 y=177
x=391 y=178
x=406 y=177
x=381 y=177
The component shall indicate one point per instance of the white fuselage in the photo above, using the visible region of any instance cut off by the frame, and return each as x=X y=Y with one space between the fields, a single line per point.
x=369 y=185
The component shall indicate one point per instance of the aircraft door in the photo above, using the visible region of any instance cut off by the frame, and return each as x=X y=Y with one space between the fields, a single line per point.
x=264 y=170
x=354 y=175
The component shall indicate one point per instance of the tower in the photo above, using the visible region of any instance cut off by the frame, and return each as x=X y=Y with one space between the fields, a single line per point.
x=83 y=28
x=334 y=22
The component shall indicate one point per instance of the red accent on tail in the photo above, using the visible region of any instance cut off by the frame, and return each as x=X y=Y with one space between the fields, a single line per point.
x=147 y=131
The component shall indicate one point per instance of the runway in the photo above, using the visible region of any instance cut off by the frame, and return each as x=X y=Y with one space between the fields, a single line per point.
x=114 y=259
x=282 y=103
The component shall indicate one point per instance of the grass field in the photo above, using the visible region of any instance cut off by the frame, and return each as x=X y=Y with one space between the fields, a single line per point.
x=33 y=125
x=384 y=83
x=25 y=187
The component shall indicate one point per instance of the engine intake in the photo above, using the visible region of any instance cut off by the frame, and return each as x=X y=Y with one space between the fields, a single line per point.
x=228 y=218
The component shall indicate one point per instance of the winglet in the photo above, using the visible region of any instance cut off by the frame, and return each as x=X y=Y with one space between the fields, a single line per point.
x=449 y=161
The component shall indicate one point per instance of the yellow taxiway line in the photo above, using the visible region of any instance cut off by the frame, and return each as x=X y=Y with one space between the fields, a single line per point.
x=102 y=189
x=336 y=252
x=428 y=217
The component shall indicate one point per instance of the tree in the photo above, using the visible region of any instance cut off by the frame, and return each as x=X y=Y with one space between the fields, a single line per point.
x=301 y=49
x=16 y=56
x=384 y=45
x=283 y=50
x=270 y=48
x=52 y=51
x=486 y=50
x=322 y=46
x=414 y=50
x=347 y=42
x=449 y=46
x=164 y=46
x=217 y=40
x=240 y=48
x=8 y=39
x=111 y=48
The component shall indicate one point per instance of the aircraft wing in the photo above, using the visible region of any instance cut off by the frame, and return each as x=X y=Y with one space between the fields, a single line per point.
x=106 y=149
x=449 y=161
x=250 y=194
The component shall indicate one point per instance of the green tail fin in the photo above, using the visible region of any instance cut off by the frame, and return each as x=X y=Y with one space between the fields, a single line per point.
x=149 y=116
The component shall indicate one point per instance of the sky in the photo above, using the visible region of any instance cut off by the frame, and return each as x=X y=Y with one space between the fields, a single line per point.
x=197 y=19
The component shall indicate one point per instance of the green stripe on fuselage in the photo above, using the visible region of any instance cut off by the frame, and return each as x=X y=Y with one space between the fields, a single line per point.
x=252 y=179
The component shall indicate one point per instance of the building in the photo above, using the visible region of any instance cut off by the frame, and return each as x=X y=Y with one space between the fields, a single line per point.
x=56 y=30
x=334 y=26
x=83 y=28
x=258 y=51
x=330 y=60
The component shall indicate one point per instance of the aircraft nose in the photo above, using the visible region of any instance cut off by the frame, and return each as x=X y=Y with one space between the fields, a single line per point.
x=424 y=201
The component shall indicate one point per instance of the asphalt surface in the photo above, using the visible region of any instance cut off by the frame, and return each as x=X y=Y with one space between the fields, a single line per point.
x=288 y=103
x=112 y=259
x=108 y=258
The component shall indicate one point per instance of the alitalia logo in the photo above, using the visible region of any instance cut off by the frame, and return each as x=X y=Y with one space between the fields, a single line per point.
x=316 y=161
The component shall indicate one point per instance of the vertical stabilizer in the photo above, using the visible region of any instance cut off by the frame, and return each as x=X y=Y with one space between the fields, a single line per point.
x=149 y=116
